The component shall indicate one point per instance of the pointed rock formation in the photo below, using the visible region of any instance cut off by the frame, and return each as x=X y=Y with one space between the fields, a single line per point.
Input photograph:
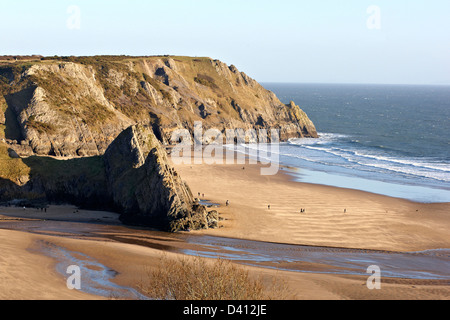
x=145 y=187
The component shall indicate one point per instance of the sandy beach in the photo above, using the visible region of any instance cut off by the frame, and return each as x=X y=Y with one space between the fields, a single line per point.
x=333 y=217
x=370 y=221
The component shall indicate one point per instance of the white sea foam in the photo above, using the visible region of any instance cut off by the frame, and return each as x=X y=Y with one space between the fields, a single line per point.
x=340 y=151
x=324 y=138
x=331 y=149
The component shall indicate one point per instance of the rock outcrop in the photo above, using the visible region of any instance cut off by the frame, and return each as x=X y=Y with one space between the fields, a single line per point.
x=133 y=178
x=75 y=107
x=63 y=112
x=145 y=188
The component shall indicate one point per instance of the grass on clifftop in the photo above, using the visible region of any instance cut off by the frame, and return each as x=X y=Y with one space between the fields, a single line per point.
x=201 y=75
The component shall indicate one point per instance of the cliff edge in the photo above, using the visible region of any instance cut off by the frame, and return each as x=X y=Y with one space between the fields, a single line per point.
x=76 y=106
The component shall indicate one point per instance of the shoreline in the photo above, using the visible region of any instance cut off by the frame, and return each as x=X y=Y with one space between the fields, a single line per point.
x=328 y=202
x=399 y=190
x=373 y=224
x=293 y=173
x=313 y=175
x=293 y=179
x=203 y=176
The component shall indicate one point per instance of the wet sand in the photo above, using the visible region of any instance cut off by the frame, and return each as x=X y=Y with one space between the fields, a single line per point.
x=118 y=259
x=333 y=217
x=37 y=246
x=421 y=265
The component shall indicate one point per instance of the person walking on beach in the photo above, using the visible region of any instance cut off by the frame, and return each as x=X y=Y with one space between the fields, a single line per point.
x=268 y=207
x=228 y=202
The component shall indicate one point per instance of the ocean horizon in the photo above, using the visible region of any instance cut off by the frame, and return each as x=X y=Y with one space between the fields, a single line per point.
x=385 y=139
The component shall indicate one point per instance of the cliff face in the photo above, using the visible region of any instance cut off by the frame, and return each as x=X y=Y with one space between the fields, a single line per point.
x=144 y=186
x=78 y=106
x=104 y=121
x=133 y=178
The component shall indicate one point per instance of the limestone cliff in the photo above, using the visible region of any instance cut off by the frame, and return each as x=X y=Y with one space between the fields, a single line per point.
x=133 y=178
x=76 y=106
x=104 y=121
x=145 y=187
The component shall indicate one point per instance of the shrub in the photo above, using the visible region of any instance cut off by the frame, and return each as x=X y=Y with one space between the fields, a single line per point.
x=206 y=80
x=196 y=279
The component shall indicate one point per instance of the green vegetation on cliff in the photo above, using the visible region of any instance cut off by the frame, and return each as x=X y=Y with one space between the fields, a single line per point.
x=12 y=169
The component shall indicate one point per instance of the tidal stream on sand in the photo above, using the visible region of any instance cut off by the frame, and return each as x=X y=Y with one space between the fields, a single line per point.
x=421 y=265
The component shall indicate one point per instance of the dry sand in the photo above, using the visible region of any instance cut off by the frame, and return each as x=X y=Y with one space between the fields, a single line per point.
x=25 y=274
x=371 y=222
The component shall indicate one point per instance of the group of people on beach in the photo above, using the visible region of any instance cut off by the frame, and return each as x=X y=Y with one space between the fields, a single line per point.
x=42 y=209
x=227 y=203
x=302 y=210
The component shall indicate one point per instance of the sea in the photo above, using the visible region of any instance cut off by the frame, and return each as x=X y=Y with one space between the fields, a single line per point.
x=387 y=139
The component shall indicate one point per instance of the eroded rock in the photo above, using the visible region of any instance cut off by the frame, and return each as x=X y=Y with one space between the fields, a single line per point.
x=145 y=187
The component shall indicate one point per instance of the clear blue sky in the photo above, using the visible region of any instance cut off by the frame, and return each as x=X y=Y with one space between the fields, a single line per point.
x=272 y=41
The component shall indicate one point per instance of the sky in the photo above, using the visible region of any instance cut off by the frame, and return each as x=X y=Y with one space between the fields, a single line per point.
x=323 y=41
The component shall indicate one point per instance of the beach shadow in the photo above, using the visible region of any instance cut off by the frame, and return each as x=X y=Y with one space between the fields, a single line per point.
x=80 y=182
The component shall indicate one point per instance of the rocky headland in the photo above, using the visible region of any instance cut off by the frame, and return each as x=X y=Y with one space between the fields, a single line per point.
x=91 y=130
